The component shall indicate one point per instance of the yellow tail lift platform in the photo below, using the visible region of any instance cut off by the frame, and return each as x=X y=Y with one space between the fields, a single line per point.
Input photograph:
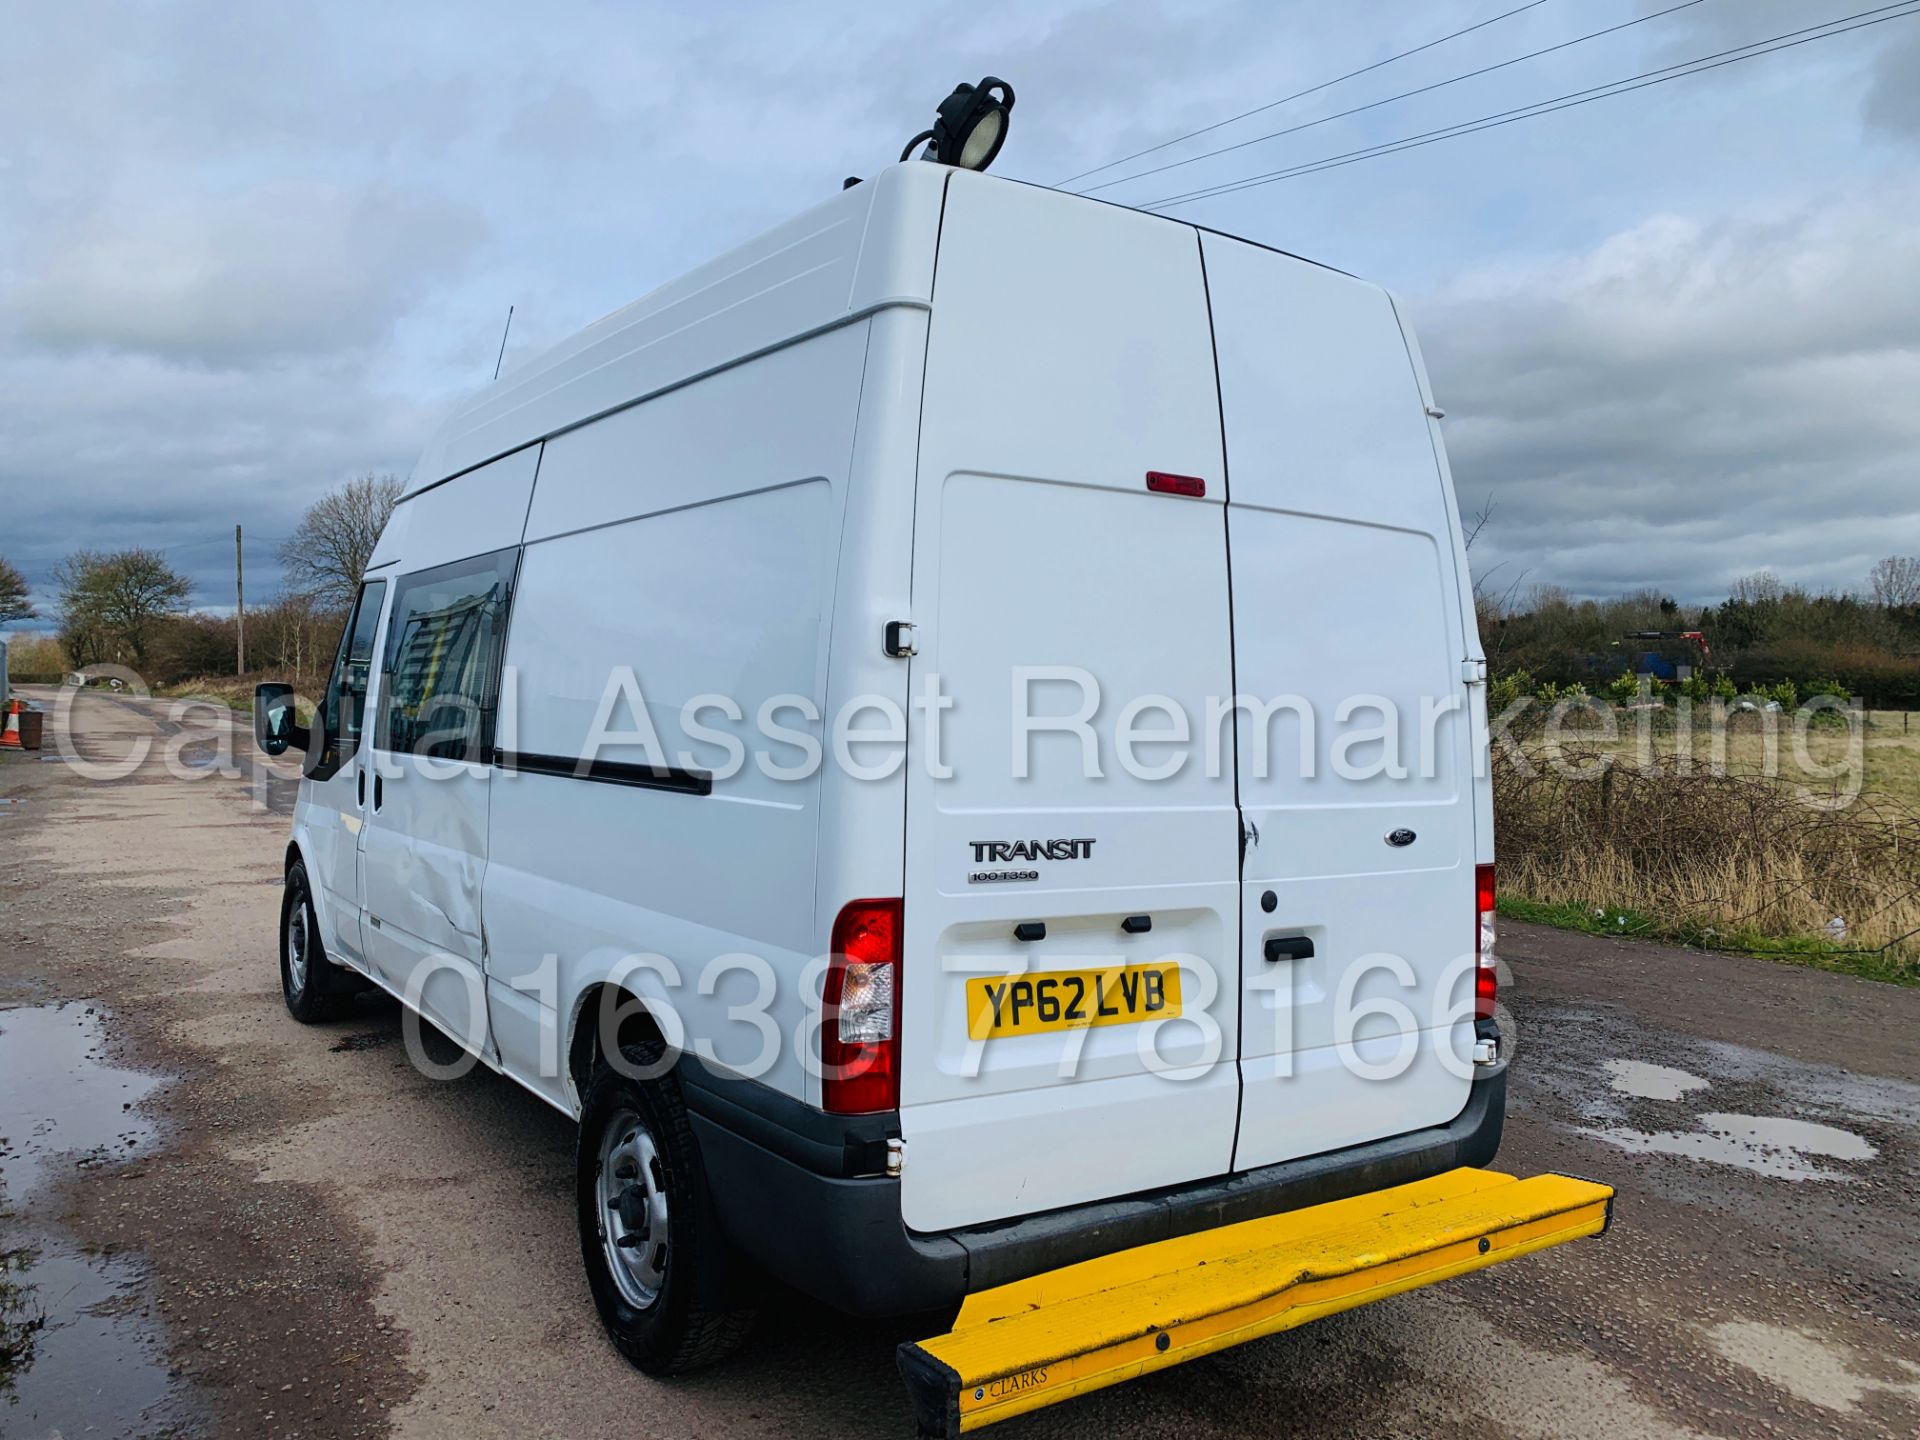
x=1040 y=1341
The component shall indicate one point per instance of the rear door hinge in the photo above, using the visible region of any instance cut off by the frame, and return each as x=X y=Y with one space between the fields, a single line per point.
x=898 y=641
x=1473 y=672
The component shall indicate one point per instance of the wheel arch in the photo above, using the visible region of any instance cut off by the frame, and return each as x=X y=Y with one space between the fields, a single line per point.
x=638 y=1023
x=316 y=896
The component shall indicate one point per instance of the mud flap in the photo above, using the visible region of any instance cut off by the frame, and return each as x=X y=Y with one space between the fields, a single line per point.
x=1036 y=1342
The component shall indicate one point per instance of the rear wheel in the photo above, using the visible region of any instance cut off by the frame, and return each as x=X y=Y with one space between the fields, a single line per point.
x=315 y=988
x=666 y=1283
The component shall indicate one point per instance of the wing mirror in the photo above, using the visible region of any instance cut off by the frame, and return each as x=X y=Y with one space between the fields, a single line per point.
x=275 y=727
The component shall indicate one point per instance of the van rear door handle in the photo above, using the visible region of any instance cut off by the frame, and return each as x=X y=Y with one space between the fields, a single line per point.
x=1289 y=947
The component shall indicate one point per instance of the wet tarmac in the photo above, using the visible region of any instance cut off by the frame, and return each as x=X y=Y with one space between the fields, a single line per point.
x=87 y=1351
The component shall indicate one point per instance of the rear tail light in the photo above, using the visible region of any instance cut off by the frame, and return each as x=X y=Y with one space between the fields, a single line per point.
x=1486 y=983
x=860 y=1031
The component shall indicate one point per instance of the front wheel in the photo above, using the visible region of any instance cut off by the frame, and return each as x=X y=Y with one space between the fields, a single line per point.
x=663 y=1277
x=315 y=988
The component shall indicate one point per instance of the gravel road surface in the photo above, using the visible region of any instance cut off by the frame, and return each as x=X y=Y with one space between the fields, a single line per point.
x=238 y=1226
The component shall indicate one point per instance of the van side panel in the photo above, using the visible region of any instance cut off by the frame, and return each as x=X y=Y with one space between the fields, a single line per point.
x=478 y=512
x=1346 y=601
x=1069 y=354
x=681 y=549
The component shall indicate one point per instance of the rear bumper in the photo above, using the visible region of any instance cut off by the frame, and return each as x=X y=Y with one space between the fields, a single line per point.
x=840 y=1238
x=1017 y=1348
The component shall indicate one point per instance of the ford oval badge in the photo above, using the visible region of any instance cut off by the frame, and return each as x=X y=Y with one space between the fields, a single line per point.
x=1401 y=838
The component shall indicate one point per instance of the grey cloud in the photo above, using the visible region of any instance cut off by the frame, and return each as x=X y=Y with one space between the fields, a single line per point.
x=1890 y=47
x=1893 y=99
x=1687 y=402
x=271 y=269
x=104 y=451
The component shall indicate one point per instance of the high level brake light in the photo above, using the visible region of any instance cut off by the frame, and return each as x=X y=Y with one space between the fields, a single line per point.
x=1486 y=983
x=1161 y=483
x=860 y=1030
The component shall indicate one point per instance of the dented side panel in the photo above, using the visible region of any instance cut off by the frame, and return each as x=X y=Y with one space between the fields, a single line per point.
x=424 y=843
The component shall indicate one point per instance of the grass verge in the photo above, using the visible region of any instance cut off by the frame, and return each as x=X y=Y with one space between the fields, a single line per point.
x=1811 y=951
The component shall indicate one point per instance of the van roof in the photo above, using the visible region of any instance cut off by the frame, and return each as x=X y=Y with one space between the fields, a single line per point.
x=867 y=248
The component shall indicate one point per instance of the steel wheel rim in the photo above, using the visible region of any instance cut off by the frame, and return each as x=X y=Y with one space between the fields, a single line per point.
x=297 y=944
x=632 y=1196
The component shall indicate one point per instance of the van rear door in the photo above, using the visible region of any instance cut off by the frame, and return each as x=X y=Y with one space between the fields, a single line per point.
x=1068 y=355
x=1357 y=908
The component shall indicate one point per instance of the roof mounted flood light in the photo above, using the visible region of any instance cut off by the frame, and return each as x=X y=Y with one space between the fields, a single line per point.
x=969 y=127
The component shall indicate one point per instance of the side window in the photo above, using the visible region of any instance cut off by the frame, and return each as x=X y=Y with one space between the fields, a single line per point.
x=443 y=658
x=346 y=699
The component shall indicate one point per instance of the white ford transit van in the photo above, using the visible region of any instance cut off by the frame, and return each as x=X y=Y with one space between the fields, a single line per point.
x=949 y=739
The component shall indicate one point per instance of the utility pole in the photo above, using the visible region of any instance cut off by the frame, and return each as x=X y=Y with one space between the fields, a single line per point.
x=239 y=604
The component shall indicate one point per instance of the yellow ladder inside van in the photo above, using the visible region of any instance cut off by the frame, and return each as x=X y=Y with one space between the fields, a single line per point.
x=1036 y=1342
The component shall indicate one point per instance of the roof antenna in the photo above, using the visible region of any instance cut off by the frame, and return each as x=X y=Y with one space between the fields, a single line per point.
x=503 y=343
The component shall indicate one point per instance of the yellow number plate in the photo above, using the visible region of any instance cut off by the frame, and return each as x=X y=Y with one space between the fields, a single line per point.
x=1000 y=1005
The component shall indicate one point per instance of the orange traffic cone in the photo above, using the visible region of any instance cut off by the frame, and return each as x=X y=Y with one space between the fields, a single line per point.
x=10 y=737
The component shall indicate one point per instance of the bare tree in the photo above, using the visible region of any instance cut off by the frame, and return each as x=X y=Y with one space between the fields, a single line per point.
x=1895 y=581
x=1758 y=588
x=328 y=553
x=1490 y=607
x=112 y=605
x=295 y=637
x=15 y=600
x=1479 y=522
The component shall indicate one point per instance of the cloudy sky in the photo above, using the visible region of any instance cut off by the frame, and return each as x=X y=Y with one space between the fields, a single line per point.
x=247 y=251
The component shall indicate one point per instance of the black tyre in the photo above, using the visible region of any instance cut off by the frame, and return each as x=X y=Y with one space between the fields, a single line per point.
x=670 y=1292
x=315 y=988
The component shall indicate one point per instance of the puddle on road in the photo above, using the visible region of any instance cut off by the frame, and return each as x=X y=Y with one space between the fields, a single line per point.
x=1652 y=1082
x=1770 y=1145
x=58 y=1098
x=1775 y=1132
x=97 y=1365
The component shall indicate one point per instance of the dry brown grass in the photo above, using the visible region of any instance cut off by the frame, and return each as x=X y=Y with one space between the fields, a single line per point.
x=1739 y=861
x=236 y=691
x=1888 y=754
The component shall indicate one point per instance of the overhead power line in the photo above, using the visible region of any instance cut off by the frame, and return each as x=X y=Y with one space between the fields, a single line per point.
x=195 y=544
x=1391 y=99
x=1827 y=30
x=1301 y=94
